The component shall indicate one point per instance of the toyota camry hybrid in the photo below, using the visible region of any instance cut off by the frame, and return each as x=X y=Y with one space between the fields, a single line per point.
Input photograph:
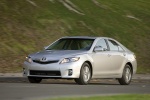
x=81 y=58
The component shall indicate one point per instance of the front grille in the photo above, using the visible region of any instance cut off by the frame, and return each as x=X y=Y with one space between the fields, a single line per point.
x=46 y=62
x=45 y=73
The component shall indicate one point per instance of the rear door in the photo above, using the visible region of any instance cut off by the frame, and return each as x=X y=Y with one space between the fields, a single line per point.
x=116 y=56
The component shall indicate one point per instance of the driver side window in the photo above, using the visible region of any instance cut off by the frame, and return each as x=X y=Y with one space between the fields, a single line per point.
x=102 y=43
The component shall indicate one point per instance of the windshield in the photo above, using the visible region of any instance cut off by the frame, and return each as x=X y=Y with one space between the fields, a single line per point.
x=71 y=44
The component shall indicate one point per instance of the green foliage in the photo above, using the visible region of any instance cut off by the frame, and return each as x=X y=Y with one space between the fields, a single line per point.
x=26 y=27
x=115 y=97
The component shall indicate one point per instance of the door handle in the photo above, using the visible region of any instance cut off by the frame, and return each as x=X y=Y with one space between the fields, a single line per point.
x=124 y=54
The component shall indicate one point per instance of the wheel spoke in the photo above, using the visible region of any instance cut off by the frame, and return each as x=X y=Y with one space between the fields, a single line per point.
x=128 y=74
x=86 y=73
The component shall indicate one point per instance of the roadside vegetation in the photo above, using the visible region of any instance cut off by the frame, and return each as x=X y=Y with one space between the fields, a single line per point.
x=115 y=97
x=26 y=26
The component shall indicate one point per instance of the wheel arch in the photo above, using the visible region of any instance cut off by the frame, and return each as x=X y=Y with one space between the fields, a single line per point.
x=128 y=63
x=90 y=67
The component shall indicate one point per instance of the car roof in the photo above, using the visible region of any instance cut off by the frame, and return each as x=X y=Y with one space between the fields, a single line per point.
x=85 y=37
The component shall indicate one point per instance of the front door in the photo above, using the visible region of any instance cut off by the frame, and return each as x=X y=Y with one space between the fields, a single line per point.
x=101 y=60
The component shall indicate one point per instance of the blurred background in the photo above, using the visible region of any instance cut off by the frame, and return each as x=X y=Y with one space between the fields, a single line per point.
x=26 y=26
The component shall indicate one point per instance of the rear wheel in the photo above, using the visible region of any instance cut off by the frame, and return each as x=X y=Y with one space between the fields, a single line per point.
x=34 y=79
x=85 y=75
x=126 y=76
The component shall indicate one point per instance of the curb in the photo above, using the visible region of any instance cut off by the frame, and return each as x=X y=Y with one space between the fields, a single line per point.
x=11 y=75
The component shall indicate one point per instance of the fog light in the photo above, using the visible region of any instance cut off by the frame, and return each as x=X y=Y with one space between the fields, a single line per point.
x=70 y=72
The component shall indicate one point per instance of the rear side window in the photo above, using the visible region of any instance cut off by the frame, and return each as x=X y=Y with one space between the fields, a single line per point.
x=114 y=46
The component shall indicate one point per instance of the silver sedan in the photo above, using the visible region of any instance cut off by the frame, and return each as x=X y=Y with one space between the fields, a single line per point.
x=82 y=58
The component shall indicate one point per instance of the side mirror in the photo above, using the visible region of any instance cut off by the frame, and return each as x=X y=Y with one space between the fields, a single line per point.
x=98 y=49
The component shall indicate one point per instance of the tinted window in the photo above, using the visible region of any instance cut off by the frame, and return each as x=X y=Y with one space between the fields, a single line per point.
x=72 y=44
x=58 y=45
x=102 y=44
x=113 y=45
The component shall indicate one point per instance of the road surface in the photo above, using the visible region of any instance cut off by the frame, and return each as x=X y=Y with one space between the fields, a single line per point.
x=22 y=90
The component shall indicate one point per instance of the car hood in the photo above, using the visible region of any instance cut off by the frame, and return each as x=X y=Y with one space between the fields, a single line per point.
x=56 y=54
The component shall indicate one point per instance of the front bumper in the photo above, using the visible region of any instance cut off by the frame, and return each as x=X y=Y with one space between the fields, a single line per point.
x=64 y=69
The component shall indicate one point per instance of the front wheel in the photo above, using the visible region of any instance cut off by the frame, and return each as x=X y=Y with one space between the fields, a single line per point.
x=126 y=76
x=85 y=75
x=34 y=79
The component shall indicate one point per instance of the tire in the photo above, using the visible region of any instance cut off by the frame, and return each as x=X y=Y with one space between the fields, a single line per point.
x=126 y=76
x=85 y=75
x=34 y=79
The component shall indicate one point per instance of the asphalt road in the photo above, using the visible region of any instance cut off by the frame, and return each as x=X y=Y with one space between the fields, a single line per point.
x=22 y=90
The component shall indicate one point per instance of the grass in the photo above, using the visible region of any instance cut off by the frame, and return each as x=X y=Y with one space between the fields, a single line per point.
x=115 y=97
x=25 y=28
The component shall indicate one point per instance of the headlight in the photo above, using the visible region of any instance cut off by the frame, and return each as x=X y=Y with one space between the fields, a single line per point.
x=68 y=60
x=134 y=56
x=28 y=59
